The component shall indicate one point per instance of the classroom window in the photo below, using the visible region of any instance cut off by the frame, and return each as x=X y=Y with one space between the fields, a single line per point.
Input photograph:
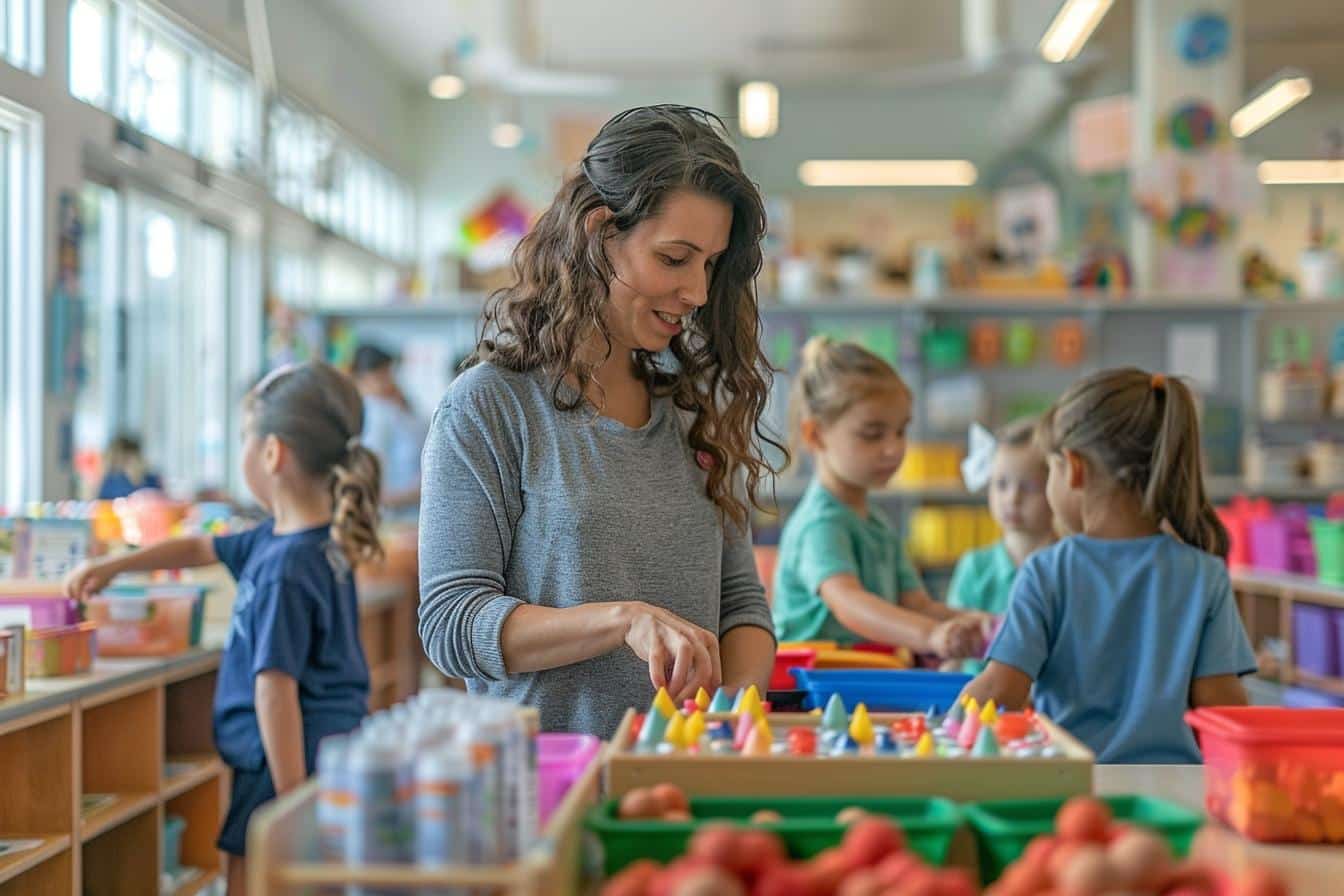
x=91 y=51
x=176 y=384
x=156 y=84
x=21 y=33
x=96 y=401
x=226 y=128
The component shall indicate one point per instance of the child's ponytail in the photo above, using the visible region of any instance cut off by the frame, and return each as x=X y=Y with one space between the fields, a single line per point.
x=317 y=412
x=1142 y=429
x=1175 y=489
x=355 y=486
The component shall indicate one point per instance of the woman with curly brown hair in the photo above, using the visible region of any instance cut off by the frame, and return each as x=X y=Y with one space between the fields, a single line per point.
x=584 y=529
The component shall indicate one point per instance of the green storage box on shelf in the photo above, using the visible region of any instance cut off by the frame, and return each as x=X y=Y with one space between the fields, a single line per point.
x=946 y=348
x=1327 y=537
x=1003 y=828
x=807 y=828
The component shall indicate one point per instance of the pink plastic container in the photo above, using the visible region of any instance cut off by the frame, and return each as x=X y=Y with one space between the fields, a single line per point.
x=561 y=759
x=1282 y=542
x=38 y=610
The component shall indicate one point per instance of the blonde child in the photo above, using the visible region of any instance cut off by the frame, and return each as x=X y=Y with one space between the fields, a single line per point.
x=1121 y=627
x=293 y=669
x=983 y=579
x=843 y=574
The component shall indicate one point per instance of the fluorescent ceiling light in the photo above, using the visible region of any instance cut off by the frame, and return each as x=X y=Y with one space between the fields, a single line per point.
x=446 y=87
x=1301 y=171
x=887 y=173
x=1073 y=25
x=758 y=109
x=1285 y=93
x=506 y=135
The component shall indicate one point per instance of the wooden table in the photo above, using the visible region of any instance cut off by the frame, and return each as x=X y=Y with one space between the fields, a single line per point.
x=1309 y=870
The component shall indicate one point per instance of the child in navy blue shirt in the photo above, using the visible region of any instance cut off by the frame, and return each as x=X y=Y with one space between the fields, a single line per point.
x=1122 y=627
x=293 y=669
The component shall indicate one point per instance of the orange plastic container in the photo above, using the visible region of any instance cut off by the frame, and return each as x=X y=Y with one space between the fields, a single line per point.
x=142 y=626
x=59 y=650
x=1273 y=773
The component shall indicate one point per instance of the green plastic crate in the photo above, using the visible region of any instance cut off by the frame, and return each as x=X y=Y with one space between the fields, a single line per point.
x=1003 y=828
x=807 y=828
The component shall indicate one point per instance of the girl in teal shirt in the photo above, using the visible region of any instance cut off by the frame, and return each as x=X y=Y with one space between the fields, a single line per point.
x=843 y=574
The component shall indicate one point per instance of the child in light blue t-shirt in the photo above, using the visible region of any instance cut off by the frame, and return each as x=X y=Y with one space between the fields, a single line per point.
x=1120 y=628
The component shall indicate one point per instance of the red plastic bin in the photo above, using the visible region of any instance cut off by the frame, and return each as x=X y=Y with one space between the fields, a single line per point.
x=790 y=658
x=1274 y=774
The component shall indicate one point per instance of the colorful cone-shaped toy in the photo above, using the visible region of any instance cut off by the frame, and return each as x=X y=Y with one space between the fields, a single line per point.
x=651 y=734
x=835 y=718
x=701 y=699
x=970 y=730
x=722 y=702
x=663 y=703
x=745 y=723
x=694 y=730
x=986 y=744
x=750 y=702
x=676 y=731
x=759 y=739
x=861 y=726
x=925 y=747
x=989 y=714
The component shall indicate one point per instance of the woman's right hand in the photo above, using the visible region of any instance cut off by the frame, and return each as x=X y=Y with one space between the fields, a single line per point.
x=682 y=657
x=89 y=578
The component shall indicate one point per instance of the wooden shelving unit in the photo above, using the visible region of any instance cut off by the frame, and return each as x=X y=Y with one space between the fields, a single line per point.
x=140 y=731
x=1266 y=601
x=112 y=731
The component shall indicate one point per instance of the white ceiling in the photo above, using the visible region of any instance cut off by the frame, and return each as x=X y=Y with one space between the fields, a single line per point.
x=789 y=40
x=640 y=39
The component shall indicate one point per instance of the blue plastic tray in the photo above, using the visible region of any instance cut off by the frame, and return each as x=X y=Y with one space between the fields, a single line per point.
x=882 y=690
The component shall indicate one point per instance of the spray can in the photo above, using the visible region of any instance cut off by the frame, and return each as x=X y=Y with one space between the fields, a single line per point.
x=335 y=801
x=441 y=821
x=485 y=786
x=377 y=830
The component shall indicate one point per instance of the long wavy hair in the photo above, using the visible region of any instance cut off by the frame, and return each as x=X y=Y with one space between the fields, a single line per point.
x=561 y=277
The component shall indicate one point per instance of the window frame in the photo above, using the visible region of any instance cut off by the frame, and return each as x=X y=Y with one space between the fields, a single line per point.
x=22 y=308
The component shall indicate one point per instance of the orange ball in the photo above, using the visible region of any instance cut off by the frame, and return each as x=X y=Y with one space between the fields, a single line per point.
x=1084 y=820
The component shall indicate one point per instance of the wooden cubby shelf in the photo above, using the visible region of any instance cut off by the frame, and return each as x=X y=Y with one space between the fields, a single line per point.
x=13 y=865
x=111 y=733
x=54 y=876
x=123 y=808
x=182 y=773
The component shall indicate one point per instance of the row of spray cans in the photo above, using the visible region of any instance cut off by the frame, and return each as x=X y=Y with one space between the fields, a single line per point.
x=445 y=778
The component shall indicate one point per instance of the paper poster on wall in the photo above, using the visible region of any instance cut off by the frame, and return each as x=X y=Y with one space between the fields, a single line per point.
x=1028 y=221
x=1099 y=134
x=1192 y=353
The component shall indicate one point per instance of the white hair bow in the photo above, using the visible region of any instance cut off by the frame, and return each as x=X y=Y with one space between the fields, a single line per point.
x=980 y=447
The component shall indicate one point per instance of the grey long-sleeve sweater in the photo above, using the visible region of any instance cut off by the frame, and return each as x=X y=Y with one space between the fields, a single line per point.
x=522 y=503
